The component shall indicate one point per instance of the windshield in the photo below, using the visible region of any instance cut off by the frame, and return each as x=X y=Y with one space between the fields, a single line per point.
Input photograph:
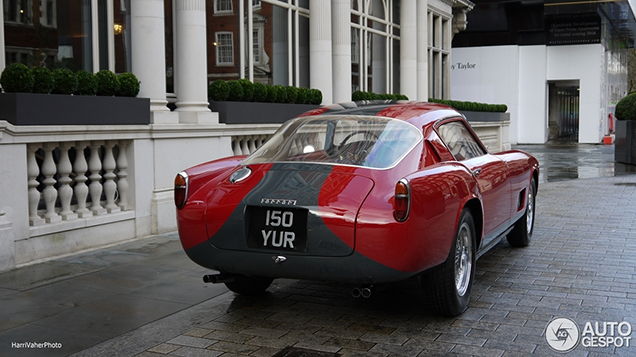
x=373 y=142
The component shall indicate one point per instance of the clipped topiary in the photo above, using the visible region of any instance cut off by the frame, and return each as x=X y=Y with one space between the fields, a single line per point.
x=315 y=96
x=17 y=78
x=42 y=80
x=301 y=95
x=86 y=83
x=281 y=94
x=248 y=89
x=107 y=83
x=357 y=96
x=65 y=81
x=218 y=90
x=292 y=93
x=272 y=94
x=626 y=108
x=128 y=85
x=260 y=92
x=235 y=91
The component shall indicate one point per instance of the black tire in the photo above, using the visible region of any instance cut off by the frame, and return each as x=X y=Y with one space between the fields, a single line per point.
x=447 y=287
x=249 y=285
x=523 y=228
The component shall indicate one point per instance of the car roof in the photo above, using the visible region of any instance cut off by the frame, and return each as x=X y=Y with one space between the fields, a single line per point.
x=425 y=112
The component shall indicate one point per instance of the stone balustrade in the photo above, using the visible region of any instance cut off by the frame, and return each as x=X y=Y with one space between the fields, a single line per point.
x=76 y=180
x=247 y=144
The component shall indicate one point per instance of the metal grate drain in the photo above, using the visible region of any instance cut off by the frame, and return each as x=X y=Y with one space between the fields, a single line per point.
x=303 y=352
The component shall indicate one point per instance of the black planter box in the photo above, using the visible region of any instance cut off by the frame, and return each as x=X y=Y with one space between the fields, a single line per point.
x=485 y=116
x=257 y=113
x=61 y=109
x=625 y=142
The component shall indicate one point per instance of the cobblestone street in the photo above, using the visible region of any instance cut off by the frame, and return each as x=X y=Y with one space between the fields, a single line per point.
x=580 y=265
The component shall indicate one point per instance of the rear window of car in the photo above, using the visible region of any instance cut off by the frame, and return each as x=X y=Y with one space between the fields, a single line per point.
x=373 y=142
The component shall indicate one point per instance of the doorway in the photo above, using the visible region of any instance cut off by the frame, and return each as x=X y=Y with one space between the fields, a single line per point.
x=564 y=110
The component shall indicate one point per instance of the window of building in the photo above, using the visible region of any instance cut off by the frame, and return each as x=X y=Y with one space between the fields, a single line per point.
x=18 y=11
x=60 y=33
x=279 y=32
x=224 y=48
x=375 y=42
x=49 y=13
x=355 y=46
x=222 y=6
x=439 y=46
x=257 y=44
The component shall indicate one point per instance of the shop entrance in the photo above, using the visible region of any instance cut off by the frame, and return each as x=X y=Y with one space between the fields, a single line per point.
x=564 y=110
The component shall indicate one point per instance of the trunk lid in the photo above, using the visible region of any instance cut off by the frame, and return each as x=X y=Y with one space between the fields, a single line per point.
x=295 y=208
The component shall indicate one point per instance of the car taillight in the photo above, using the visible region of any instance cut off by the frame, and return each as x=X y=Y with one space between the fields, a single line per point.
x=402 y=201
x=180 y=189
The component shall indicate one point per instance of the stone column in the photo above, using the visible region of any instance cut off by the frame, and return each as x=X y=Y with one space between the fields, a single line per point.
x=408 y=49
x=148 y=56
x=341 y=49
x=422 y=50
x=191 y=66
x=2 y=59
x=320 y=48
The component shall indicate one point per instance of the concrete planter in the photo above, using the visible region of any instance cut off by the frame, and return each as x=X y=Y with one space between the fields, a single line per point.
x=486 y=116
x=60 y=109
x=625 y=143
x=257 y=113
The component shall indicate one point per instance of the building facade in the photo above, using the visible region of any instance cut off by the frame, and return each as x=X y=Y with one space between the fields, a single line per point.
x=176 y=47
x=560 y=66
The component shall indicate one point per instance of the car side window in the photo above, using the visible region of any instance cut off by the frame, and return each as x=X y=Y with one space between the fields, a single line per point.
x=460 y=140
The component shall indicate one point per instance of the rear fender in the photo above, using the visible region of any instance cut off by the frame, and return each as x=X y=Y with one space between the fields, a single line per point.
x=191 y=218
x=202 y=174
x=439 y=195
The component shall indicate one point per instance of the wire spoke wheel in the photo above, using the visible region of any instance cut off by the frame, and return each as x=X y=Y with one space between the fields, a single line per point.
x=463 y=259
x=447 y=286
x=530 y=213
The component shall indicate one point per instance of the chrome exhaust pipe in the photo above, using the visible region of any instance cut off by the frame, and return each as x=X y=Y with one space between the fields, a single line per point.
x=218 y=278
x=362 y=291
x=366 y=292
x=356 y=292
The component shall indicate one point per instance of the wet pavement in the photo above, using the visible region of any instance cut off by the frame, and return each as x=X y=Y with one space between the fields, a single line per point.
x=566 y=161
x=147 y=298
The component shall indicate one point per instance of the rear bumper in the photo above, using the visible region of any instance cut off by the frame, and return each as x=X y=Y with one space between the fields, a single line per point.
x=353 y=269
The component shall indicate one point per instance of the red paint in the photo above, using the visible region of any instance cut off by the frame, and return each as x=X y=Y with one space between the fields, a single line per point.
x=356 y=203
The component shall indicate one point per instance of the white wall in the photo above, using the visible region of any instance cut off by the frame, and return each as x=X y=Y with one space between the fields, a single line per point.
x=488 y=75
x=532 y=127
x=583 y=63
x=517 y=76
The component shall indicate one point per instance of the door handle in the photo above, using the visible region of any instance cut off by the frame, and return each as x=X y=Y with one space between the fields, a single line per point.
x=476 y=172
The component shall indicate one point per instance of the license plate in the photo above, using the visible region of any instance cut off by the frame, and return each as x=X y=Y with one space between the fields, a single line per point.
x=277 y=228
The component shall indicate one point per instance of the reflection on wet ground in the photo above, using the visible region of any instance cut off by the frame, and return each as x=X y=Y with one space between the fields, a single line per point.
x=565 y=161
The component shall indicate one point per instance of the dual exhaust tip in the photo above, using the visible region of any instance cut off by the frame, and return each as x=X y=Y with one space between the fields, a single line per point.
x=361 y=292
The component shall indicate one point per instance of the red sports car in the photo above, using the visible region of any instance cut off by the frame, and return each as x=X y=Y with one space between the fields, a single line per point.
x=362 y=193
